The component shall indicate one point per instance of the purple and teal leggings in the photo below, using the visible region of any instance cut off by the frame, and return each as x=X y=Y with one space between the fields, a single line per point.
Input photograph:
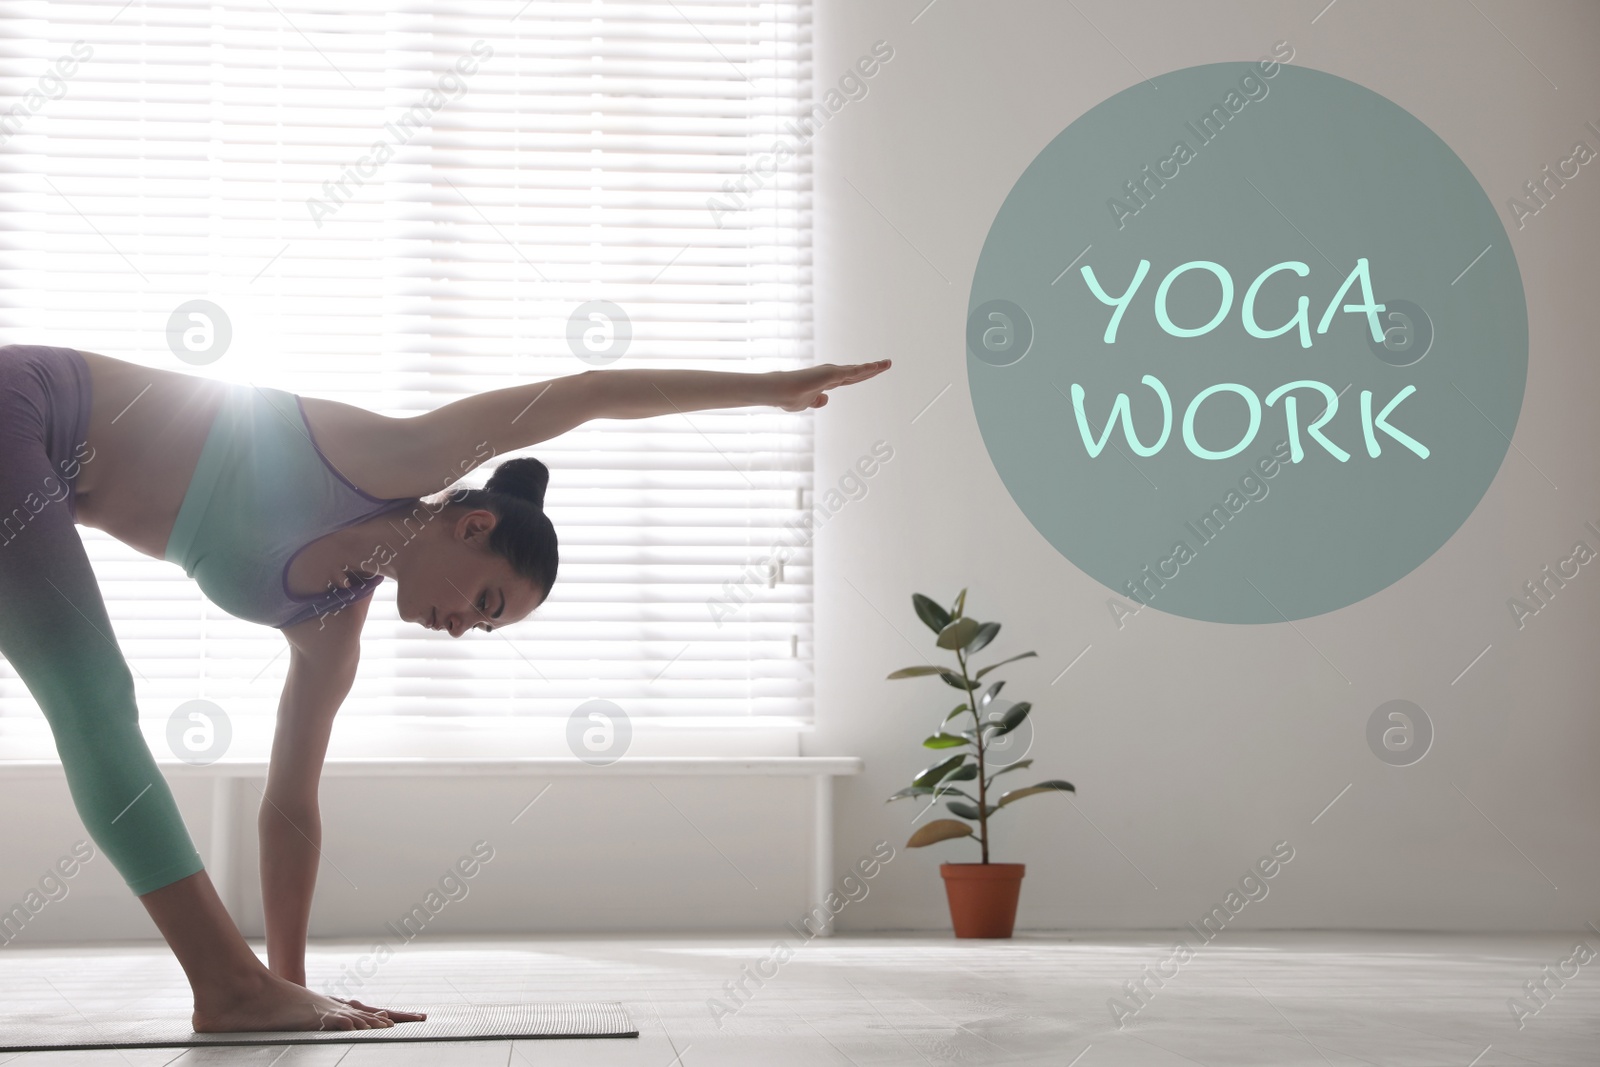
x=54 y=630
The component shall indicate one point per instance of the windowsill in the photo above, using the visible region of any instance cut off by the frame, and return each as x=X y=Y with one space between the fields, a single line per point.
x=455 y=737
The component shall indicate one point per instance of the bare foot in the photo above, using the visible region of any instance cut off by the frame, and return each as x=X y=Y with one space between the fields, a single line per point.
x=267 y=1002
x=395 y=1014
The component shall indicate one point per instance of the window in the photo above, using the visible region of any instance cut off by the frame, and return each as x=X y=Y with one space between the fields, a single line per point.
x=399 y=204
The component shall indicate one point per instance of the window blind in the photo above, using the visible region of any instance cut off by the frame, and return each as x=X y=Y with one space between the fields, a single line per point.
x=399 y=204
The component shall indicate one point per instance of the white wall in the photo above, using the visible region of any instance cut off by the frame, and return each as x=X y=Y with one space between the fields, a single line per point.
x=1195 y=746
x=664 y=853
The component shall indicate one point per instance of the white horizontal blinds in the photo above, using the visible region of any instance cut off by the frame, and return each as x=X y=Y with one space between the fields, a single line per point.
x=613 y=126
x=581 y=152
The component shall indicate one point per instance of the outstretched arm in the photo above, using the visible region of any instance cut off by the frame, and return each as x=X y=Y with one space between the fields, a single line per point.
x=323 y=656
x=639 y=393
x=421 y=454
x=507 y=419
x=524 y=415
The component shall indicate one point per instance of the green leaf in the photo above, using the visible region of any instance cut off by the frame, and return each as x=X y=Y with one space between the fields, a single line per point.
x=944 y=740
x=951 y=678
x=945 y=790
x=936 y=617
x=917 y=672
x=961 y=603
x=938 y=830
x=958 y=633
x=963 y=774
x=958 y=710
x=985 y=634
x=1017 y=766
x=993 y=691
x=931 y=775
x=963 y=809
x=1012 y=718
x=1054 y=785
x=912 y=791
x=997 y=722
x=1003 y=662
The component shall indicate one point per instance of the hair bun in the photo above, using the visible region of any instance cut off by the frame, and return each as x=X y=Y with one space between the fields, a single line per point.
x=525 y=478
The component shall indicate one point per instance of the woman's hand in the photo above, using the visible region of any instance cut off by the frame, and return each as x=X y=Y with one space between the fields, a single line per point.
x=807 y=387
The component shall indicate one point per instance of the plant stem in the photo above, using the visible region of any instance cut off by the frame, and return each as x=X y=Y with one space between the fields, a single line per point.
x=983 y=807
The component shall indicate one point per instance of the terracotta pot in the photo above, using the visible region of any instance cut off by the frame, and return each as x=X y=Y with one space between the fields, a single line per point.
x=983 y=897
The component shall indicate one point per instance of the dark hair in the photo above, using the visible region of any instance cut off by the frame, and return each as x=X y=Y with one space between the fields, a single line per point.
x=523 y=533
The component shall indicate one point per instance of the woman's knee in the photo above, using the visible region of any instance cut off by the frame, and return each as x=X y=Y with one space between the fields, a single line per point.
x=101 y=696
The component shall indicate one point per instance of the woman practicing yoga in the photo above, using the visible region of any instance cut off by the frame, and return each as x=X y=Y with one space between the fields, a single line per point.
x=287 y=511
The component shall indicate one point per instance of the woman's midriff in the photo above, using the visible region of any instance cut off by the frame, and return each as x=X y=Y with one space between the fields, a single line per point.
x=147 y=428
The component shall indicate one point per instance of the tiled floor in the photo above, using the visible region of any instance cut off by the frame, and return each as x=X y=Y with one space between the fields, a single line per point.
x=1273 y=999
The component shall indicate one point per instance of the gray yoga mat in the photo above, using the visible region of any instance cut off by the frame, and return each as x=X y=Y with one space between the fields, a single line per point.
x=45 y=1031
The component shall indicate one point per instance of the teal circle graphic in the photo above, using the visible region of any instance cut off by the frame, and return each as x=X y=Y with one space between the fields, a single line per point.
x=1407 y=334
x=1222 y=444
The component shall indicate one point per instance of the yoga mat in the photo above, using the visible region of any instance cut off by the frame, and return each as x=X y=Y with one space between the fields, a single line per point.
x=45 y=1031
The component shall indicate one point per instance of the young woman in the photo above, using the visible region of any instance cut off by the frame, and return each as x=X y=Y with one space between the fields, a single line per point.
x=287 y=511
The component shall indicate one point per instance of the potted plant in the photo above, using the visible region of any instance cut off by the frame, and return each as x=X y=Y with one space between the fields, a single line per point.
x=983 y=895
